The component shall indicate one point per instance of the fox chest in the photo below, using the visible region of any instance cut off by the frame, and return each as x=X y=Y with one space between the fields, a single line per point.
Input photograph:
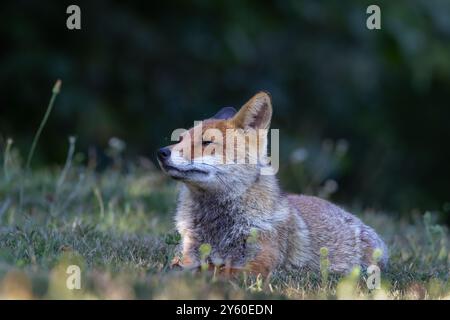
x=226 y=232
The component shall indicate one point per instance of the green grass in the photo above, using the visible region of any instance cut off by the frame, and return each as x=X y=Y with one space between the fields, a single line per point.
x=118 y=228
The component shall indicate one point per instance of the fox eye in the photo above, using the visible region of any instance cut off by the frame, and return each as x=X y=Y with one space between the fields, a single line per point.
x=180 y=139
x=206 y=143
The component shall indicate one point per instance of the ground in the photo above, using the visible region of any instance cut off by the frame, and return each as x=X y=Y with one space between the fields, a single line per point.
x=117 y=226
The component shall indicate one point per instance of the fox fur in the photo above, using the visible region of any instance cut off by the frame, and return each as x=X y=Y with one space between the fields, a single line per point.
x=244 y=216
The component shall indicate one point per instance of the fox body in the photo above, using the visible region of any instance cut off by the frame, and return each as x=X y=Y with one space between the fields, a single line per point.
x=243 y=215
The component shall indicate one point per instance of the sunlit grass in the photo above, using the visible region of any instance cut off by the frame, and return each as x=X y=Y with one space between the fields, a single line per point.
x=117 y=226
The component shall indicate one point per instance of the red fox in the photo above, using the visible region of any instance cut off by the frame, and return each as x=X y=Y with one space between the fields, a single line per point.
x=249 y=223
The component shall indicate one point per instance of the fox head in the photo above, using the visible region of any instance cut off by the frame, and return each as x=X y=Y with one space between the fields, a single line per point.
x=224 y=151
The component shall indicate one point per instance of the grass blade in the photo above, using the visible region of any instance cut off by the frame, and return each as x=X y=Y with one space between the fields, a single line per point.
x=56 y=89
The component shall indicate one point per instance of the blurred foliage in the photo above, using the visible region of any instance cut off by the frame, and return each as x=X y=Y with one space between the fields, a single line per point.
x=138 y=71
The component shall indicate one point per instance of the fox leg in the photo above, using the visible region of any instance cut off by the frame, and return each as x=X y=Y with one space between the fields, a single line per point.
x=186 y=257
x=266 y=260
x=254 y=267
x=263 y=263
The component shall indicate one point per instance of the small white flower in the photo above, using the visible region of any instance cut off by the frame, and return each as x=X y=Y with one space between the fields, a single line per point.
x=117 y=144
x=299 y=155
x=330 y=186
x=342 y=147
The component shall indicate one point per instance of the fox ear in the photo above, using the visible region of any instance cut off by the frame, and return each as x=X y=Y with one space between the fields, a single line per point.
x=256 y=113
x=225 y=113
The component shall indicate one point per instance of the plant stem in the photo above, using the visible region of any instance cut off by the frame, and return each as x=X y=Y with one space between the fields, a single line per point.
x=6 y=158
x=56 y=89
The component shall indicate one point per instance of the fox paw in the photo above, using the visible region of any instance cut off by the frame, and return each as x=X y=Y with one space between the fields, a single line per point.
x=176 y=264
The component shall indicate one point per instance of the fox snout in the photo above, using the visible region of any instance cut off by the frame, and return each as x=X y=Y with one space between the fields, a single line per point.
x=163 y=154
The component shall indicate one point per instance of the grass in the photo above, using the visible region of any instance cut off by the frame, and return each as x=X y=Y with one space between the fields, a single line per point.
x=117 y=226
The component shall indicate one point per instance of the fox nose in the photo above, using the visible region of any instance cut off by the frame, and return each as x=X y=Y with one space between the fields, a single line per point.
x=163 y=154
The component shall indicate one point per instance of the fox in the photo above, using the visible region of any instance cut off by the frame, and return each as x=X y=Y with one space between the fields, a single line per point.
x=249 y=223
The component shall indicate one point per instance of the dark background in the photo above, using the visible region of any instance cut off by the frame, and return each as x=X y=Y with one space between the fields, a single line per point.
x=368 y=110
